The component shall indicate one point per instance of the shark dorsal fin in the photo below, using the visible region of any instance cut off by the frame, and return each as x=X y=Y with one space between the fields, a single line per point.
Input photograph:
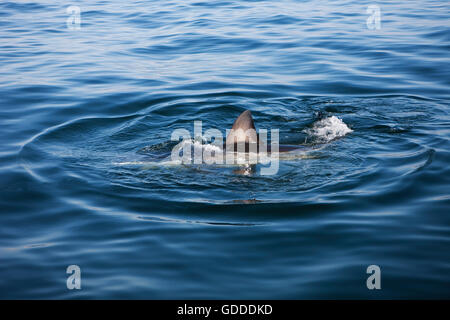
x=240 y=131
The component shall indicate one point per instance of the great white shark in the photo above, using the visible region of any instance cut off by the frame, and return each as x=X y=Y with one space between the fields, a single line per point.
x=242 y=146
x=243 y=132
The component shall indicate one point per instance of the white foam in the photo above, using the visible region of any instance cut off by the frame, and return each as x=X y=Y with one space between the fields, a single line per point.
x=328 y=129
x=204 y=146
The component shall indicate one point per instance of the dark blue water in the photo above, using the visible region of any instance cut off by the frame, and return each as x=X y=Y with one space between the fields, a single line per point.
x=78 y=107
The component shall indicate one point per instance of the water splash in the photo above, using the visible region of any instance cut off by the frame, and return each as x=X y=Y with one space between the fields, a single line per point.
x=328 y=129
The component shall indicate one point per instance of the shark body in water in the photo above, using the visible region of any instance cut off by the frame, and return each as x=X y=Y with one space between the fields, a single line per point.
x=243 y=143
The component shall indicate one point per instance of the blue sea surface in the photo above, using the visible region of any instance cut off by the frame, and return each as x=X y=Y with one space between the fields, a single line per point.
x=82 y=106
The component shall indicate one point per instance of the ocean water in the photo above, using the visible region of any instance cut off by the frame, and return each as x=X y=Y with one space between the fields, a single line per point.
x=86 y=116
